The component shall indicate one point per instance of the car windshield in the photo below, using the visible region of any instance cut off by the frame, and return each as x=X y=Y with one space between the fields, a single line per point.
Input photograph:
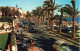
x=63 y=44
x=25 y=22
x=32 y=24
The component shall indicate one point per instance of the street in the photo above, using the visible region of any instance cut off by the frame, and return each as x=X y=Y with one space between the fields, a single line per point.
x=44 y=39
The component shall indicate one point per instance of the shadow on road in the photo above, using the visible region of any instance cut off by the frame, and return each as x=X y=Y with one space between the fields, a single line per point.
x=46 y=44
x=74 y=48
x=20 y=39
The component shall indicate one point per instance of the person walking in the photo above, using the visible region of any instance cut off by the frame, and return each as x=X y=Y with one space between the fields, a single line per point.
x=17 y=26
x=17 y=32
x=27 y=27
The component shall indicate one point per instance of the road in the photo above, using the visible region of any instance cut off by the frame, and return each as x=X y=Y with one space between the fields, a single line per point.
x=45 y=39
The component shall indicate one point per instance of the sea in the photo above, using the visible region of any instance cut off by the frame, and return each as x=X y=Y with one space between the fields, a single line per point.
x=77 y=19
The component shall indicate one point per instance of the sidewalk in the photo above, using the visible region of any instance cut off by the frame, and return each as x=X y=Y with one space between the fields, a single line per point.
x=19 y=43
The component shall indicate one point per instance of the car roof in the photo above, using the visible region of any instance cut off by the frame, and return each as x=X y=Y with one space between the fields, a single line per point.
x=60 y=42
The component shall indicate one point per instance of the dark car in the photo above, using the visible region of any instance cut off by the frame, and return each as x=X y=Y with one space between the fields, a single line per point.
x=25 y=24
x=66 y=29
x=56 y=28
x=20 y=24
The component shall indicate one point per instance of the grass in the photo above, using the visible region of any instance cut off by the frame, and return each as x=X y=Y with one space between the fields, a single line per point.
x=12 y=38
x=3 y=40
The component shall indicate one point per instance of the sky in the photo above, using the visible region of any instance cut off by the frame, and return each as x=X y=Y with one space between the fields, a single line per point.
x=29 y=5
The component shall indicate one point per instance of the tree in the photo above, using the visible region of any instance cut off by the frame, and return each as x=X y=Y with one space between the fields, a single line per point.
x=6 y=19
x=28 y=15
x=34 y=12
x=17 y=13
x=46 y=6
x=60 y=18
x=39 y=14
x=72 y=12
x=3 y=11
x=6 y=11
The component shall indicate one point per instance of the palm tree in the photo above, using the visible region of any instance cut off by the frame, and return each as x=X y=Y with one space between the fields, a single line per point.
x=34 y=12
x=39 y=14
x=72 y=12
x=53 y=7
x=7 y=11
x=46 y=6
x=3 y=11
x=60 y=18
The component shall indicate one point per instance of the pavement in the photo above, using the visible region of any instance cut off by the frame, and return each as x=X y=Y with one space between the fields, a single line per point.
x=19 y=43
x=45 y=39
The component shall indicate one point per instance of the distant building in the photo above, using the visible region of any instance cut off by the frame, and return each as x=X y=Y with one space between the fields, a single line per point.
x=23 y=14
x=0 y=12
x=16 y=8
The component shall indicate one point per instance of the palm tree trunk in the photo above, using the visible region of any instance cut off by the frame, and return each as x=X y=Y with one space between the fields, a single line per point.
x=73 y=27
x=60 y=27
x=43 y=20
x=36 y=19
x=39 y=21
x=48 y=19
x=52 y=20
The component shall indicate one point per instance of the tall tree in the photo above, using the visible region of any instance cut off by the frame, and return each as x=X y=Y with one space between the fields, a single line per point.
x=28 y=16
x=53 y=7
x=72 y=12
x=60 y=18
x=47 y=7
x=3 y=11
x=39 y=14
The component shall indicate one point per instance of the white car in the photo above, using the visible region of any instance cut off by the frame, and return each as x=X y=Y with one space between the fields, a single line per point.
x=60 y=45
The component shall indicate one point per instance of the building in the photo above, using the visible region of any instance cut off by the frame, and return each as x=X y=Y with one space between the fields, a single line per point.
x=16 y=8
x=23 y=14
x=0 y=12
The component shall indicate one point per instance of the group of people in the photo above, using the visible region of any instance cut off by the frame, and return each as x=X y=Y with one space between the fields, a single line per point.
x=21 y=31
x=28 y=43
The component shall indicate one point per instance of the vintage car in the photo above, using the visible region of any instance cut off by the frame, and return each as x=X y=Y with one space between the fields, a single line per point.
x=60 y=45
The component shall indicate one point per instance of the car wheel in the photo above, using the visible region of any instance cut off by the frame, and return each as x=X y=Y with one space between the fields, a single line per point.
x=64 y=48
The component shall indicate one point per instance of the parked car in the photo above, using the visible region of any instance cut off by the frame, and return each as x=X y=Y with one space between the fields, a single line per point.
x=60 y=45
x=20 y=24
x=66 y=29
x=34 y=29
x=56 y=28
x=77 y=34
x=24 y=24
x=78 y=31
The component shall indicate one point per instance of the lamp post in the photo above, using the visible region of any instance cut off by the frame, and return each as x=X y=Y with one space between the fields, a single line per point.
x=73 y=3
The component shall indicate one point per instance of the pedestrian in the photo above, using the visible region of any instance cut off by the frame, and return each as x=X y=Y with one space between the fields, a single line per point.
x=32 y=43
x=17 y=32
x=21 y=31
x=17 y=26
x=27 y=27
